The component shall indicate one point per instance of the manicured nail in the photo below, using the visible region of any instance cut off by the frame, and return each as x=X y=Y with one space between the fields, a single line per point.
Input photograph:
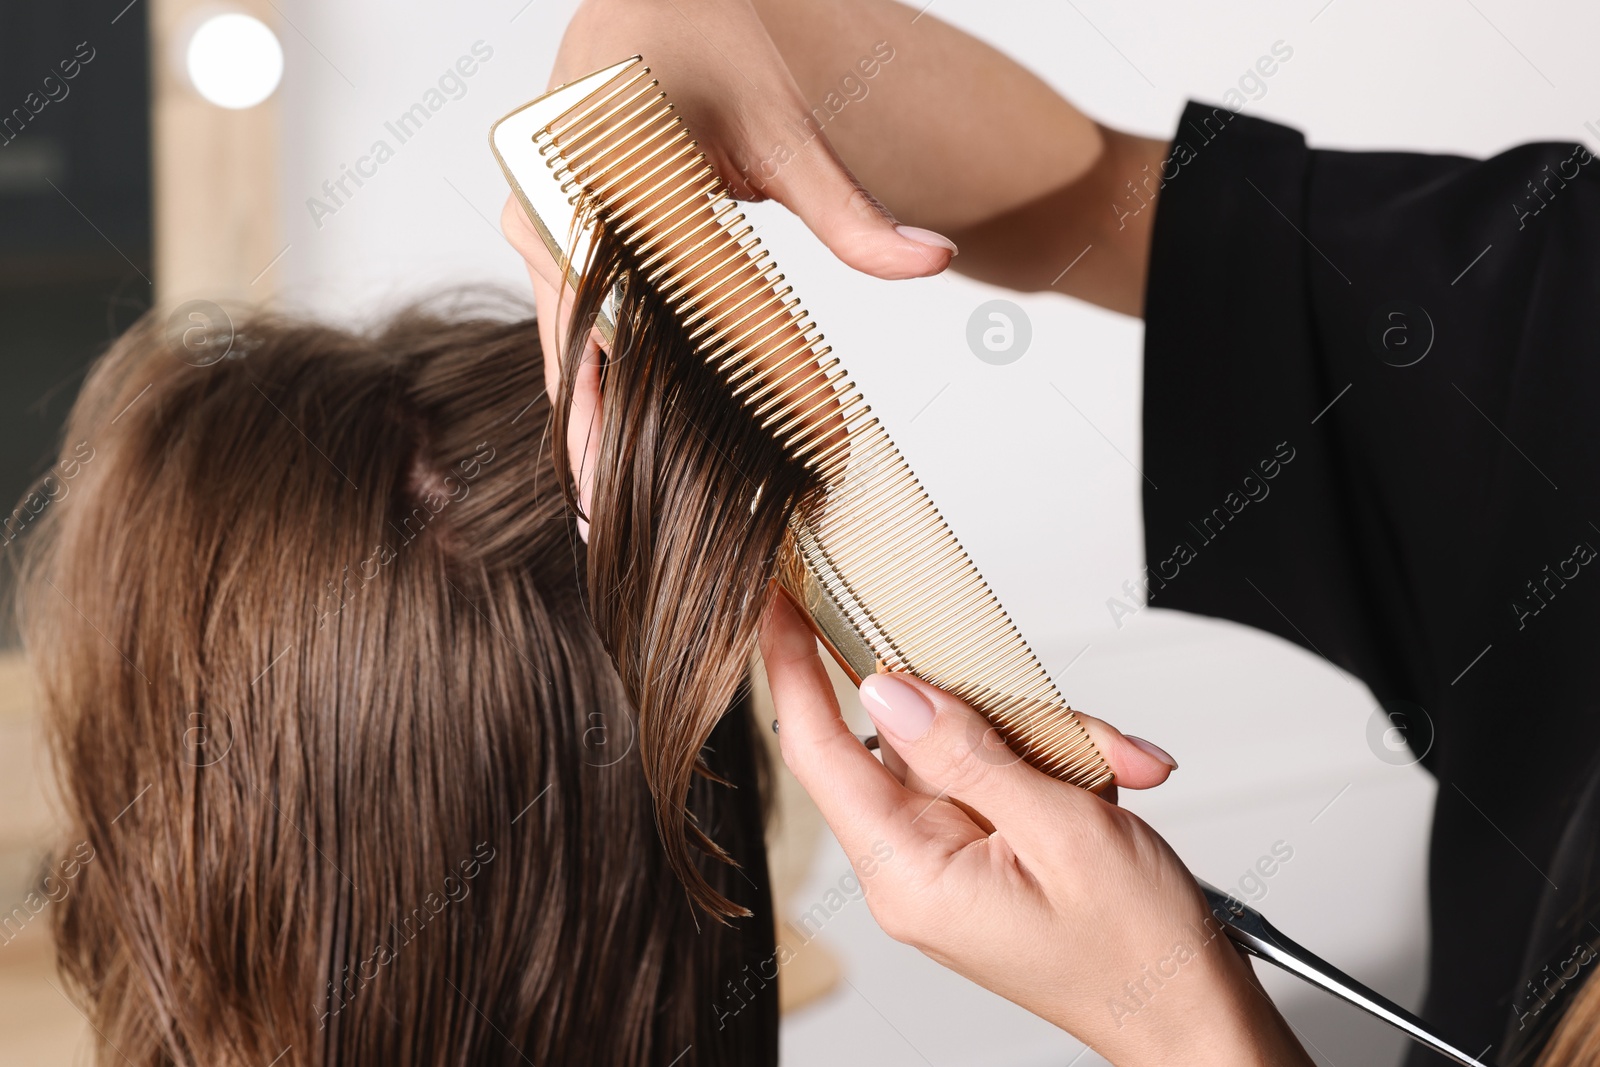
x=898 y=709
x=1153 y=750
x=927 y=237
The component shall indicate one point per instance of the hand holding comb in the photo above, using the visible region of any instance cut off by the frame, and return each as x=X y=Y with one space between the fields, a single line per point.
x=870 y=562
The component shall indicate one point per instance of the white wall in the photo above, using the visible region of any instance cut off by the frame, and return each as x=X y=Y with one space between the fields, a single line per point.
x=1048 y=506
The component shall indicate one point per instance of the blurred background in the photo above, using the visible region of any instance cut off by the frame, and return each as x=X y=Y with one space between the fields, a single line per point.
x=167 y=150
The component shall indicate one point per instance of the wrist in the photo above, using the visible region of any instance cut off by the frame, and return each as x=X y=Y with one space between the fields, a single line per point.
x=1245 y=1027
x=1202 y=1006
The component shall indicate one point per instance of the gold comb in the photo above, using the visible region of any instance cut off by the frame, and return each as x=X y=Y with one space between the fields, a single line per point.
x=872 y=564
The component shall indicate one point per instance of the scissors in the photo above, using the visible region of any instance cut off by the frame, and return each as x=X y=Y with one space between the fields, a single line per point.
x=1250 y=930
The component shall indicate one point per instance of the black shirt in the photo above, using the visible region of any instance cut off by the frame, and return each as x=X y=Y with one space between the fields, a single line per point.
x=1561 y=956
x=1371 y=383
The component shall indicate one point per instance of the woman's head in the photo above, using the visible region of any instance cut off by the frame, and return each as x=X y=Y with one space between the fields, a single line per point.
x=357 y=777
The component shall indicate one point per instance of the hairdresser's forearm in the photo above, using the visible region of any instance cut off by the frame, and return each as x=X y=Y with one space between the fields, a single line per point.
x=1089 y=239
x=954 y=136
x=947 y=131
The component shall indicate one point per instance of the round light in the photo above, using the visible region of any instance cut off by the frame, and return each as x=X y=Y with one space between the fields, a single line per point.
x=234 y=60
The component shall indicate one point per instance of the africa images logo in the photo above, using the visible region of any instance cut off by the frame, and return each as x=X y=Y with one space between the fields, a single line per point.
x=999 y=332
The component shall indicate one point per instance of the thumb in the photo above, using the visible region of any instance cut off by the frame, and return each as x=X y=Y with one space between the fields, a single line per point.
x=950 y=747
x=814 y=183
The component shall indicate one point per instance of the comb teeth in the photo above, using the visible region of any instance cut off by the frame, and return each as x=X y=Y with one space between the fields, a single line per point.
x=879 y=561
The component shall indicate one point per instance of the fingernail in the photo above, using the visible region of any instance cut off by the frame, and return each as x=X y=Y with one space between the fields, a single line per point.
x=898 y=709
x=1153 y=750
x=927 y=237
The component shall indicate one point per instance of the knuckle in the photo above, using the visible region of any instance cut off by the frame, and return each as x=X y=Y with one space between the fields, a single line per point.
x=860 y=204
x=903 y=905
x=786 y=749
x=1091 y=829
x=513 y=224
x=893 y=923
x=903 y=920
x=791 y=750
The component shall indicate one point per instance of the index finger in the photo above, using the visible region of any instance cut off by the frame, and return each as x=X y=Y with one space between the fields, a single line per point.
x=857 y=796
x=519 y=231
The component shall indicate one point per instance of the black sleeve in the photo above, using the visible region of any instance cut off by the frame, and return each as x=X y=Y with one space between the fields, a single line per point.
x=1371 y=382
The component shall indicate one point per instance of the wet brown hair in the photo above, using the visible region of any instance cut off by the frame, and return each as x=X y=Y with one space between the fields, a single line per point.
x=691 y=500
x=356 y=777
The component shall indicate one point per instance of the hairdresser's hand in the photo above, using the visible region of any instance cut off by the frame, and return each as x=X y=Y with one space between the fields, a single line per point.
x=740 y=110
x=732 y=86
x=1070 y=906
x=810 y=102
